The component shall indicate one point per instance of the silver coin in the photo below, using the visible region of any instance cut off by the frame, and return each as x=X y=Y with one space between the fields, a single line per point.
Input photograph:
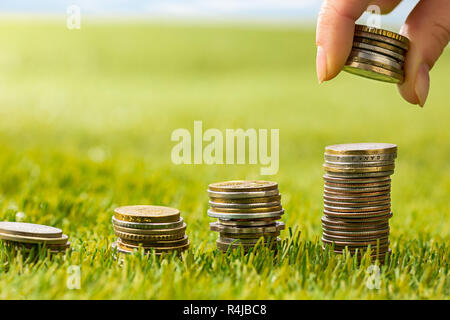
x=339 y=164
x=361 y=158
x=137 y=225
x=249 y=223
x=154 y=232
x=381 y=50
x=358 y=190
x=29 y=229
x=232 y=216
x=244 y=205
x=360 y=175
x=216 y=226
x=242 y=195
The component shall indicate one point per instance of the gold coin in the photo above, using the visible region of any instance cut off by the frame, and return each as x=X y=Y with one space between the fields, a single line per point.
x=329 y=168
x=373 y=72
x=147 y=214
x=380 y=44
x=153 y=243
x=148 y=237
x=243 y=185
x=157 y=250
x=399 y=40
x=361 y=148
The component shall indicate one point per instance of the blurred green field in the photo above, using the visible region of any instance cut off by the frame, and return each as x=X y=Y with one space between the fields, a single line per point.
x=85 y=124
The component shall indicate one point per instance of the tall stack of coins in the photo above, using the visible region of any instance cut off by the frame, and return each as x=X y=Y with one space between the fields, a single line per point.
x=378 y=54
x=246 y=211
x=357 y=203
x=30 y=235
x=153 y=228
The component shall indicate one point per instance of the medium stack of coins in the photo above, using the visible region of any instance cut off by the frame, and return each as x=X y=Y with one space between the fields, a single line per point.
x=357 y=203
x=378 y=54
x=153 y=228
x=246 y=211
x=30 y=236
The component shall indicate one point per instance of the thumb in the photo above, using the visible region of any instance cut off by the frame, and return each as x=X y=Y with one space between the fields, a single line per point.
x=428 y=28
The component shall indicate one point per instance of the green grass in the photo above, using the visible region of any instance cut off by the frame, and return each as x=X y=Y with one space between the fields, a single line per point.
x=85 y=124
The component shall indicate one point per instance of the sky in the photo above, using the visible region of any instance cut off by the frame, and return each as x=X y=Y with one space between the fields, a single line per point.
x=302 y=11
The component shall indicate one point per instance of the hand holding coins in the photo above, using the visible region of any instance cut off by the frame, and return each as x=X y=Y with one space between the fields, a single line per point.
x=357 y=203
x=377 y=54
x=246 y=211
x=156 y=228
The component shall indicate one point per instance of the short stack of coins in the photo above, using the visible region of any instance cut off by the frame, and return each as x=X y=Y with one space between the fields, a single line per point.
x=378 y=54
x=30 y=235
x=246 y=211
x=153 y=228
x=357 y=202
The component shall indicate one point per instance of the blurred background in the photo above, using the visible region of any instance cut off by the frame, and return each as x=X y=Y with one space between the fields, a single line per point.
x=86 y=114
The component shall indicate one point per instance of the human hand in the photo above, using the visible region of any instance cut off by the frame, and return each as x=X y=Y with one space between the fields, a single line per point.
x=427 y=27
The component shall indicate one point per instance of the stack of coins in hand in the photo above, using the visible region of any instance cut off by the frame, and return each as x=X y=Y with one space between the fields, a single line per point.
x=153 y=228
x=357 y=203
x=246 y=211
x=30 y=235
x=377 y=54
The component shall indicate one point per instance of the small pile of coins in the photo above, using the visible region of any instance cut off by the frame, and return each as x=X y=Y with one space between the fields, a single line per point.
x=377 y=54
x=154 y=228
x=246 y=211
x=357 y=203
x=30 y=236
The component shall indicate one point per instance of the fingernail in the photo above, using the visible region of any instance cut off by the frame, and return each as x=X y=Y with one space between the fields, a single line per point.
x=321 y=64
x=422 y=85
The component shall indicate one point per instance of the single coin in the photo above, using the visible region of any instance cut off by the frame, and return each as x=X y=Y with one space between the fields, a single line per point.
x=243 y=195
x=244 y=205
x=380 y=44
x=154 y=232
x=249 y=200
x=147 y=214
x=356 y=204
x=248 y=210
x=29 y=246
x=153 y=243
x=148 y=237
x=343 y=194
x=380 y=50
x=355 y=244
x=349 y=214
x=356 y=199
x=29 y=239
x=245 y=236
x=329 y=168
x=360 y=175
x=231 y=216
x=358 y=185
x=364 y=148
x=226 y=246
x=373 y=72
x=29 y=229
x=356 y=180
x=148 y=226
x=244 y=241
x=357 y=221
x=375 y=59
x=388 y=157
x=359 y=164
x=217 y=226
x=356 y=190
x=400 y=41
x=249 y=223
x=131 y=248
x=364 y=240
x=357 y=210
x=243 y=185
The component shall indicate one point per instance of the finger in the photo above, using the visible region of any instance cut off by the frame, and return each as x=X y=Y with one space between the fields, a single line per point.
x=386 y=6
x=428 y=28
x=334 y=37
